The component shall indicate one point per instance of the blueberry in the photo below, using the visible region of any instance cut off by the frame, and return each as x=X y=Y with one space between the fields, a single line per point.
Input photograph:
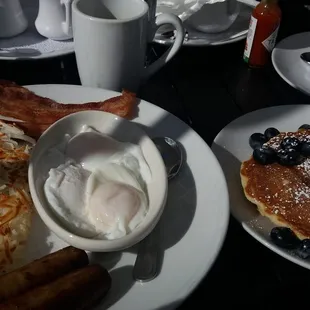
x=289 y=157
x=304 y=126
x=257 y=140
x=305 y=149
x=284 y=237
x=271 y=132
x=303 y=250
x=264 y=155
x=290 y=143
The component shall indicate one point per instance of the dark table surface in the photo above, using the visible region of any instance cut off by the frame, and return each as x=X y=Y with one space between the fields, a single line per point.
x=208 y=87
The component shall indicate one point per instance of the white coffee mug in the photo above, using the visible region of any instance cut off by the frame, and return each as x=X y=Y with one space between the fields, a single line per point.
x=12 y=18
x=54 y=19
x=110 y=38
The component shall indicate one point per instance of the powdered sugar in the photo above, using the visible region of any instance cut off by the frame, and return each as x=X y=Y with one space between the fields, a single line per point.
x=275 y=142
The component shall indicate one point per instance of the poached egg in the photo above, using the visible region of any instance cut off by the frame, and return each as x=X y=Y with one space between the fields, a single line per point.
x=100 y=189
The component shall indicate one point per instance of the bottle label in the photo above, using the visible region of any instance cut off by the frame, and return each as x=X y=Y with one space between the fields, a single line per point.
x=250 y=39
x=270 y=42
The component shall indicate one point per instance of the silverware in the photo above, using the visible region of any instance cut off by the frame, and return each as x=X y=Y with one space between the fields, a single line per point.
x=151 y=18
x=305 y=57
x=152 y=9
x=171 y=153
x=147 y=263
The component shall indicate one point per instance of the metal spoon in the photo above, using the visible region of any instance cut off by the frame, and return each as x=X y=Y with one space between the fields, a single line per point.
x=147 y=262
x=305 y=57
x=171 y=154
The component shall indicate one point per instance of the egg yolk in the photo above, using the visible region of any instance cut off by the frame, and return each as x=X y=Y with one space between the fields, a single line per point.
x=113 y=205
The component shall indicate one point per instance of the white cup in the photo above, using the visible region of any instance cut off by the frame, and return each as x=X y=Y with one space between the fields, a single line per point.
x=110 y=38
x=210 y=16
x=215 y=16
x=54 y=19
x=12 y=18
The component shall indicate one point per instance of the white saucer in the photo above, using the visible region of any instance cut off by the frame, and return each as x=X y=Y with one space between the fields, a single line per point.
x=287 y=62
x=237 y=31
x=30 y=44
x=231 y=147
x=191 y=230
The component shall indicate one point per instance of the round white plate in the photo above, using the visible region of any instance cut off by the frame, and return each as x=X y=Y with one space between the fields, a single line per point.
x=231 y=147
x=236 y=32
x=193 y=225
x=30 y=44
x=287 y=62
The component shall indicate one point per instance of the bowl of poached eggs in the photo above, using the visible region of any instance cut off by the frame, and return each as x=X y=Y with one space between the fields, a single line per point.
x=97 y=181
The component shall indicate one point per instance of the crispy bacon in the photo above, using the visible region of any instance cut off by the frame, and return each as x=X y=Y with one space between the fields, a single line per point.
x=38 y=113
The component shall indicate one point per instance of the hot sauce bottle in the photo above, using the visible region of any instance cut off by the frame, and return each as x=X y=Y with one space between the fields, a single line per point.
x=262 y=34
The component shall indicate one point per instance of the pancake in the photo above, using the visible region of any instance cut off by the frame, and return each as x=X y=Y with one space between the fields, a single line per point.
x=15 y=200
x=281 y=193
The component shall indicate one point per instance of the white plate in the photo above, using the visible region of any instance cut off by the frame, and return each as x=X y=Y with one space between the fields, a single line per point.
x=30 y=44
x=287 y=62
x=236 y=32
x=231 y=146
x=193 y=225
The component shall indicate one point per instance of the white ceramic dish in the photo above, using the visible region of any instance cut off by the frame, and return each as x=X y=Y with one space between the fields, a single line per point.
x=231 y=146
x=287 y=62
x=236 y=32
x=30 y=44
x=192 y=227
x=121 y=130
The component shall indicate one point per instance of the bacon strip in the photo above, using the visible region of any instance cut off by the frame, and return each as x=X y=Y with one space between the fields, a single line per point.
x=38 y=113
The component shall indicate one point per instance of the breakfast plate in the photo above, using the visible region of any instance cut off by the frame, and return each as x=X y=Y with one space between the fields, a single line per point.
x=288 y=64
x=231 y=147
x=195 y=218
x=236 y=32
x=30 y=44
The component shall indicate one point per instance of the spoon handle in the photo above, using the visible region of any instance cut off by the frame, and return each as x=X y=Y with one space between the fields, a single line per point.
x=147 y=263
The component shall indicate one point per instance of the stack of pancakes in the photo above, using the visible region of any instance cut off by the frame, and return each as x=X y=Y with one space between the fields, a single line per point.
x=281 y=193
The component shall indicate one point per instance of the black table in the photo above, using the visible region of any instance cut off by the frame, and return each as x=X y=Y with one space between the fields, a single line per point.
x=207 y=88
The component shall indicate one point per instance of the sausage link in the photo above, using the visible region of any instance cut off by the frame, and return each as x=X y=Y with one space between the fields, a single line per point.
x=78 y=290
x=41 y=271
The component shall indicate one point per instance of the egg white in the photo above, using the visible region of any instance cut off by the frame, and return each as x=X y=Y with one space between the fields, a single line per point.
x=64 y=190
x=92 y=149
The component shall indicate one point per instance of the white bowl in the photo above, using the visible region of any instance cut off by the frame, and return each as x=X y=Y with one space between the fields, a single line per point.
x=117 y=128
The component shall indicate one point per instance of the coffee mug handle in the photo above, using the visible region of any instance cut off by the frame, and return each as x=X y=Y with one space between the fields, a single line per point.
x=67 y=24
x=160 y=20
